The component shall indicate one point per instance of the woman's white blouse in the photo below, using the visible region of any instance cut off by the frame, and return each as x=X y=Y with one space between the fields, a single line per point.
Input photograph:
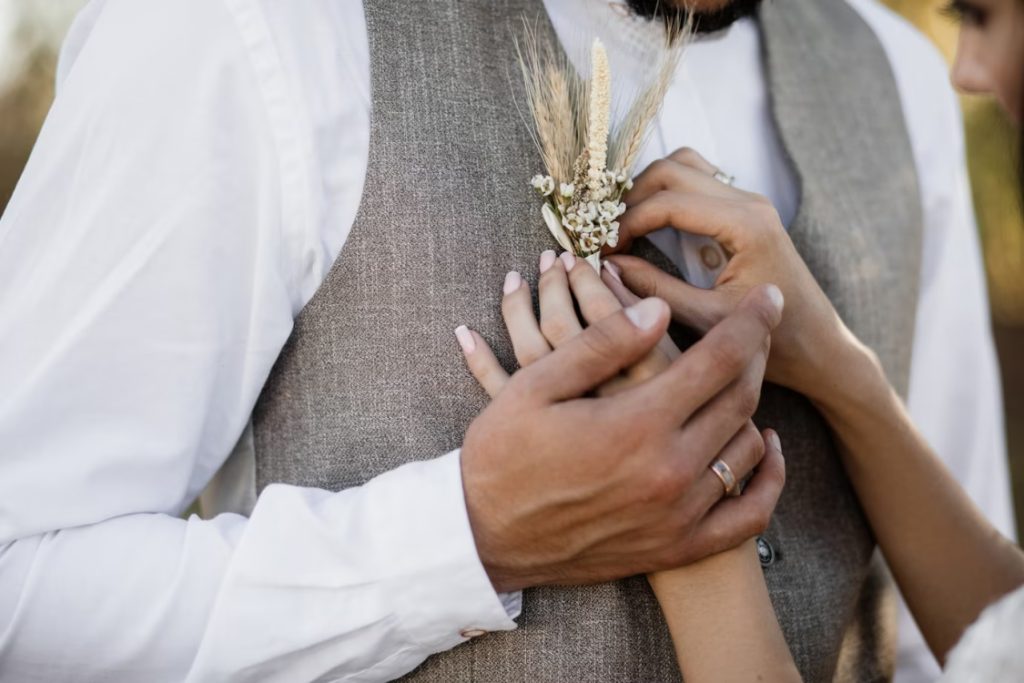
x=992 y=649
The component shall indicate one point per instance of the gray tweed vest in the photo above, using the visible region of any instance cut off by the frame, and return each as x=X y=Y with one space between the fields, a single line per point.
x=371 y=377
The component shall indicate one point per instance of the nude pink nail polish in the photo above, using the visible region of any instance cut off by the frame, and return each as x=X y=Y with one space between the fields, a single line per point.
x=465 y=338
x=547 y=259
x=512 y=282
x=568 y=260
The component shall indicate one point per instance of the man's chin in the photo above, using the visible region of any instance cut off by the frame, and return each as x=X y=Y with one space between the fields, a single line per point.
x=698 y=6
x=708 y=15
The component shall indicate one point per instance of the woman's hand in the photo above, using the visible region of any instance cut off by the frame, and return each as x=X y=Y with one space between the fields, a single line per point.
x=562 y=280
x=681 y=192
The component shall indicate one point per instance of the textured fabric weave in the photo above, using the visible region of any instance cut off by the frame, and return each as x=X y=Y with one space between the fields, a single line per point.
x=371 y=377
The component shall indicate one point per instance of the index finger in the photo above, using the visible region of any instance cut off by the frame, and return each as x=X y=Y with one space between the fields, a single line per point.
x=717 y=360
x=692 y=212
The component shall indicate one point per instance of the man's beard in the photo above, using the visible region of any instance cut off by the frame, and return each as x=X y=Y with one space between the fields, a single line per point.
x=703 y=22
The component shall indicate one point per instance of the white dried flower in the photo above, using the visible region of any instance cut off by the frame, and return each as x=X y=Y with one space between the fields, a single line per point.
x=573 y=222
x=567 y=190
x=544 y=184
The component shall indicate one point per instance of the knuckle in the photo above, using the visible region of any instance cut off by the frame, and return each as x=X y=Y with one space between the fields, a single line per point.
x=686 y=155
x=746 y=403
x=665 y=483
x=600 y=343
x=519 y=387
x=648 y=283
x=661 y=168
x=530 y=356
x=728 y=355
x=759 y=520
x=764 y=210
x=556 y=329
x=601 y=305
x=747 y=398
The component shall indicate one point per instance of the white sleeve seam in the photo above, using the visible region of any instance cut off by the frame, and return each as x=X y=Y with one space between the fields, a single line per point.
x=285 y=128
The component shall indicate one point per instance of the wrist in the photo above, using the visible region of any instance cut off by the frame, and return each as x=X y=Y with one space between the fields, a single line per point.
x=840 y=371
x=852 y=383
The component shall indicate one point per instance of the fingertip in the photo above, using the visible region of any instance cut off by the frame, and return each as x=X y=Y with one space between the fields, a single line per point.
x=768 y=300
x=547 y=259
x=513 y=281
x=775 y=296
x=568 y=261
x=649 y=313
x=466 y=339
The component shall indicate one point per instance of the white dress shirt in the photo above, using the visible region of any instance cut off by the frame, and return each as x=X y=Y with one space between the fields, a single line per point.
x=197 y=175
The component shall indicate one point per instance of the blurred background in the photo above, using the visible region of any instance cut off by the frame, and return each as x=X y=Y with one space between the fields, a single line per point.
x=31 y=31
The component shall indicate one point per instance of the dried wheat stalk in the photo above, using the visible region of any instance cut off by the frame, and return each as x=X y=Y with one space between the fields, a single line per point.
x=589 y=161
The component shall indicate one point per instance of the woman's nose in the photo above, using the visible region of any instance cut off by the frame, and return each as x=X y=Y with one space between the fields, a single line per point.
x=970 y=73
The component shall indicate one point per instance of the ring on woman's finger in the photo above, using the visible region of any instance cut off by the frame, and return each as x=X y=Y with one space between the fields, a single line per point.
x=723 y=177
x=724 y=473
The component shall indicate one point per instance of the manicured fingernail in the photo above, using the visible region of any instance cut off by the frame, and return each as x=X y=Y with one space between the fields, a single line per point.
x=465 y=338
x=775 y=294
x=512 y=282
x=547 y=259
x=773 y=436
x=646 y=313
x=613 y=270
x=568 y=260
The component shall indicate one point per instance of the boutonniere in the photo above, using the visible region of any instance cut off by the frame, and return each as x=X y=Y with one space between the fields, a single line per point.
x=589 y=161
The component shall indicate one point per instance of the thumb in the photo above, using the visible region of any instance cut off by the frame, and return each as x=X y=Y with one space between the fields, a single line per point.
x=597 y=354
x=698 y=308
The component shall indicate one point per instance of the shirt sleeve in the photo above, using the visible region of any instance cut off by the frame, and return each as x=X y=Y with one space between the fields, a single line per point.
x=144 y=260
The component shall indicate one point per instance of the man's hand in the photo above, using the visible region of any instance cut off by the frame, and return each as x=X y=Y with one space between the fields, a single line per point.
x=563 y=489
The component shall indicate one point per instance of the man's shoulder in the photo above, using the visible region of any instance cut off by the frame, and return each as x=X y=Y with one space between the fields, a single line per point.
x=149 y=36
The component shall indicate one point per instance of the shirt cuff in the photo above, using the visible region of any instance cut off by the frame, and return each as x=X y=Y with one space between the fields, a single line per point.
x=453 y=597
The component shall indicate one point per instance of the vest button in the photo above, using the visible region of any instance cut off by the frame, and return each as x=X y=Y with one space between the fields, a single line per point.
x=765 y=552
x=710 y=256
x=472 y=632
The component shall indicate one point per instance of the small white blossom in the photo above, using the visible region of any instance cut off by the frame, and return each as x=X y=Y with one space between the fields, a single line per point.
x=567 y=190
x=613 y=235
x=544 y=184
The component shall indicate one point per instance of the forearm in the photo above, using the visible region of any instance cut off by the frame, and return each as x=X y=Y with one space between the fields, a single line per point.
x=933 y=537
x=375 y=578
x=722 y=621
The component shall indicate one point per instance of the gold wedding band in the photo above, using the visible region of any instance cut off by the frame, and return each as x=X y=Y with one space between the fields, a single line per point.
x=723 y=177
x=724 y=473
